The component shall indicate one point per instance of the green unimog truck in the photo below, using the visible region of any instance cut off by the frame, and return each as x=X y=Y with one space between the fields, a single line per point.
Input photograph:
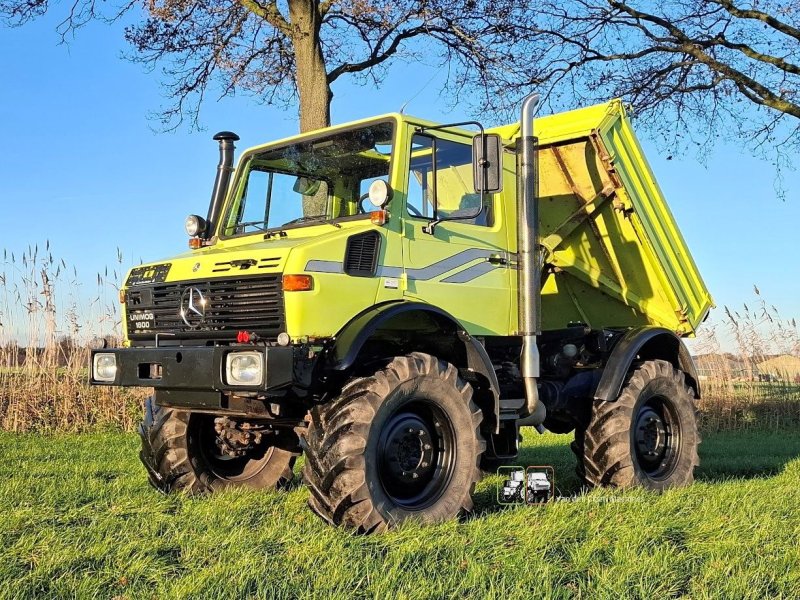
x=395 y=298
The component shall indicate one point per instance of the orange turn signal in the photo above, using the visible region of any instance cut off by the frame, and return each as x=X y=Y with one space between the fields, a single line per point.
x=298 y=283
x=122 y=295
x=379 y=217
x=195 y=243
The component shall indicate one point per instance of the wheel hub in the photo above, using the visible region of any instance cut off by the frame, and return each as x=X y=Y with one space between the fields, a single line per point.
x=408 y=449
x=650 y=436
x=236 y=438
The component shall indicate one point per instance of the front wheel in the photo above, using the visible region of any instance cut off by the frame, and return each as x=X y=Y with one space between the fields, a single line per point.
x=181 y=453
x=401 y=444
x=647 y=437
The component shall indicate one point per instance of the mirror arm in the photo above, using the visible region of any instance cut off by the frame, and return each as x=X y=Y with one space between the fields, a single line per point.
x=422 y=128
x=431 y=226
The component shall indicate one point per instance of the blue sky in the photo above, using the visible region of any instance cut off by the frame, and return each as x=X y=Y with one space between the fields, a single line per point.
x=82 y=167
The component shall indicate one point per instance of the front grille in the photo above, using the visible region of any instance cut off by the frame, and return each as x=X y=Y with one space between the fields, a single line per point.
x=252 y=304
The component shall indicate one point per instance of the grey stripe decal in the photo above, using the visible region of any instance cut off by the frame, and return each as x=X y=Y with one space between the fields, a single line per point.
x=470 y=273
x=390 y=271
x=448 y=264
x=425 y=273
x=324 y=266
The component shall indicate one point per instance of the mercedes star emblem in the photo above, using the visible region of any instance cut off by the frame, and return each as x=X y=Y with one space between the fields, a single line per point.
x=193 y=307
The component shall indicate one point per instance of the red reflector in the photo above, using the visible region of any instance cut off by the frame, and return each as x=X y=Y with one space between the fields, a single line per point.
x=243 y=337
x=298 y=283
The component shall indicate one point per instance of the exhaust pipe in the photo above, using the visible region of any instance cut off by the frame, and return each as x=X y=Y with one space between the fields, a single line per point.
x=224 y=170
x=529 y=270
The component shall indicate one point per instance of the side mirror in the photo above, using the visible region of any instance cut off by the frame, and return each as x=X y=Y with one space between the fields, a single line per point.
x=306 y=186
x=487 y=163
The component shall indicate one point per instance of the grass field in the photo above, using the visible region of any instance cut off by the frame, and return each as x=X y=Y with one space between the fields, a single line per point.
x=78 y=520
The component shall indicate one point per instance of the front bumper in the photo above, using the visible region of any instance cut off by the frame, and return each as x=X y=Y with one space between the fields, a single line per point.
x=198 y=369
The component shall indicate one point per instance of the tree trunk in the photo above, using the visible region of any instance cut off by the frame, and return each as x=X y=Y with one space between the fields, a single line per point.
x=311 y=74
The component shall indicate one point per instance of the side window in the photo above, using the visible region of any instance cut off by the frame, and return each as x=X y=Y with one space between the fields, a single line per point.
x=440 y=182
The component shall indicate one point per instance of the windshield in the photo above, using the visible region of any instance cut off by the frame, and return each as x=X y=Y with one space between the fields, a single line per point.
x=310 y=182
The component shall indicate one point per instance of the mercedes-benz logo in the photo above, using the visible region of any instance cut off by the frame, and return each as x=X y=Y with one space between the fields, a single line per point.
x=193 y=307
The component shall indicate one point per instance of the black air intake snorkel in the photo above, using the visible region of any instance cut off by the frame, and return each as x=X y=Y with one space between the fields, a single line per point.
x=224 y=170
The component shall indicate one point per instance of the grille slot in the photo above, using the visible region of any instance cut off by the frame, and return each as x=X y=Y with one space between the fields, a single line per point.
x=247 y=303
x=361 y=255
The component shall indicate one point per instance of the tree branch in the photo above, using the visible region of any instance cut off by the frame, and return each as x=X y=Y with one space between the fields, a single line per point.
x=758 y=15
x=759 y=93
x=269 y=12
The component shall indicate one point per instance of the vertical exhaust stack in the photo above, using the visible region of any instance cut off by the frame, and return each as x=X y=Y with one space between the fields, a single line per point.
x=224 y=170
x=529 y=270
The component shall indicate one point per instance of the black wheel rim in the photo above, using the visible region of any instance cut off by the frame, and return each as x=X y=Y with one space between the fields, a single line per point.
x=228 y=468
x=416 y=454
x=656 y=437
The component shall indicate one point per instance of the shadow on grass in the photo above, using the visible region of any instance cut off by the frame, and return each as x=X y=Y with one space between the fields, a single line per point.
x=557 y=456
x=723 y=456
x=294 y=483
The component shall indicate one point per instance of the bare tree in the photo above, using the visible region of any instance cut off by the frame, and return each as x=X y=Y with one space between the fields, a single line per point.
x=694 y=70
x=689 y=67
x=282 y=50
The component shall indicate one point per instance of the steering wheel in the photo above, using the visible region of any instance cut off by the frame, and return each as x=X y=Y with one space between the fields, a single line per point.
x=413 y=210
x=361 y=209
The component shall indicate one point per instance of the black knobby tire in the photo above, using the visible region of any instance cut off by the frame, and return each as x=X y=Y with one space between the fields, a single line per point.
x=178 y=451
x=647 y=437
x=577 y=449
x=363 y=449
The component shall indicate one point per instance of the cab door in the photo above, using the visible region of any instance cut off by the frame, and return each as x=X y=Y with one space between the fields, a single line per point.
x=462 y=265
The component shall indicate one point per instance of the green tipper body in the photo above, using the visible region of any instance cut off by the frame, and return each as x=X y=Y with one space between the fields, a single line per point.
x=614 y=254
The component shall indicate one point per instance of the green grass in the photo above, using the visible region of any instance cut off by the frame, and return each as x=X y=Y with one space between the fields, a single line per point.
x=78 y=520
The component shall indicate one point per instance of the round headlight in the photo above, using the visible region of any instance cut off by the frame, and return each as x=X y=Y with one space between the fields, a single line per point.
x=194 y=225
x=379 y=192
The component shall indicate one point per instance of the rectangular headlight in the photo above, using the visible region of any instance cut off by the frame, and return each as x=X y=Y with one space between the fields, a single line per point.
x=104 y=366
x=244 y=368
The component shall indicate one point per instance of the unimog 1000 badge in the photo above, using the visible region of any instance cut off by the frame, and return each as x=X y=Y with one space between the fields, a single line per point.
x=142 y=320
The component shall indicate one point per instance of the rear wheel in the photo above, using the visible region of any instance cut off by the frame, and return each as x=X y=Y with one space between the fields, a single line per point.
x=648 y=437
x=181 y=453
x=404 y=443
x=577 y=449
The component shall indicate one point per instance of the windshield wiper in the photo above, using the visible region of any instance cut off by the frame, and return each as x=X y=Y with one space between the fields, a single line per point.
x=240 y=227
x=311 y=219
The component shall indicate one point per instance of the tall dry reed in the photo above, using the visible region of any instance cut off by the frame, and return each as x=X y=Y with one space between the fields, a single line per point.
x=749 y=363
x=43 y=379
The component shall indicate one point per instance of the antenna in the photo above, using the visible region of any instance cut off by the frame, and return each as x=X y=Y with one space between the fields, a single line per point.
x=422 y=89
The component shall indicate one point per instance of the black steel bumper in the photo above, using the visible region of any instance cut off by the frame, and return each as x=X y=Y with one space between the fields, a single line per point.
x=195 y=369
